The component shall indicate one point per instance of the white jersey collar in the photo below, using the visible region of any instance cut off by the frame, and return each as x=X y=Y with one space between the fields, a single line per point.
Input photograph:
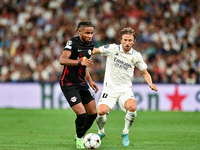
x=121 y=49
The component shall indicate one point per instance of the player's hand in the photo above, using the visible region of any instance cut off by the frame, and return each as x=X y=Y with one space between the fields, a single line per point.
x=153 y=87
x=86 y=62
x=94 y=86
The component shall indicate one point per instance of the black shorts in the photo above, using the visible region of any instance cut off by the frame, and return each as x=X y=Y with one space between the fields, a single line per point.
x=77 y=94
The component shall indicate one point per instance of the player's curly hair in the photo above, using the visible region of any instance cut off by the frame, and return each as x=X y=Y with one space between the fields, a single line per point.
x=84 y=23
x=129 y=31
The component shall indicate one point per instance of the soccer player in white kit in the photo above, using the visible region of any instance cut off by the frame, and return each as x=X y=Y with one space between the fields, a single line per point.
x=120 y=63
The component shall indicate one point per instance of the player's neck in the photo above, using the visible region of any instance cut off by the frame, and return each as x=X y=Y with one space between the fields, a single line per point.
x=126 y=51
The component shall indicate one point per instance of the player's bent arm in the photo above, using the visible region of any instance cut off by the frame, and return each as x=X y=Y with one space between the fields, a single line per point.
x=87 y=76
x=148 y=79
x=95 y=51
x=92 y=84
x=64 y=59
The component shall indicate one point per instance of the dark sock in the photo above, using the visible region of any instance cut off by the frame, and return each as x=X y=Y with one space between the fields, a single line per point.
x=88 y=123
x=80 y=123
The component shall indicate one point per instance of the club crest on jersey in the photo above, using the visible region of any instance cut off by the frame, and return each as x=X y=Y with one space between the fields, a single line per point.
x=89 y=52
x=132 y=60
x=73 y=99
x=106 y=46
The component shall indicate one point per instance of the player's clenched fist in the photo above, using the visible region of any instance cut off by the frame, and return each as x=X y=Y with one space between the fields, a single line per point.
x=153 y=87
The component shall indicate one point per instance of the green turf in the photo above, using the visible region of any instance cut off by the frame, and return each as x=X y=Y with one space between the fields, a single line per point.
x=27 y=129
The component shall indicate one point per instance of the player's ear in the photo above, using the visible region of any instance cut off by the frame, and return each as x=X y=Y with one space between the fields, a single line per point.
x=120 y=39
x=79 y=31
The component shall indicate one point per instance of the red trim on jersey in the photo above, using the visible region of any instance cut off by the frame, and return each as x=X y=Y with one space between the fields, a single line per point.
x=69 y=83
x=65 y=71
x=80 y=72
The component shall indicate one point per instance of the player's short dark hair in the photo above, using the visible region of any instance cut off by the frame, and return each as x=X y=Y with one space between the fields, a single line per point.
x=129 y=31
x=85 y=23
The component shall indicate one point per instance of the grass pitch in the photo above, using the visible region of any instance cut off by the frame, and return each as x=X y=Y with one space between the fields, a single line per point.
x=28 y=129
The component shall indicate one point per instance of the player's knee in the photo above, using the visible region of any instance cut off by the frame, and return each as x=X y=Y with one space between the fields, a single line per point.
x=131 y=108
x=102 y=110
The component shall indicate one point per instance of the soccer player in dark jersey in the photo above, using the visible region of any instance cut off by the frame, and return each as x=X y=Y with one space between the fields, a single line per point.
x=75 y=58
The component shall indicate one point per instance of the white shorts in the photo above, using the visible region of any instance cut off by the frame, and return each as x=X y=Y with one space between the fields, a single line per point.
x=111 y=99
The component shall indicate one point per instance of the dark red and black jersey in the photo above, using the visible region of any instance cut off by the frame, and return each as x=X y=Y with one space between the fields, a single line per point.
x=75 y=75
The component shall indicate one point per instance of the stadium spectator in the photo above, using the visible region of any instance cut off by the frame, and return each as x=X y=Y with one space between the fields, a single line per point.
x=32 y=23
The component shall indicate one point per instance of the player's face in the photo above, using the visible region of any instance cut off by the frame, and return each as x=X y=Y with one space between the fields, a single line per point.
x=127 y=42
x=86 y=34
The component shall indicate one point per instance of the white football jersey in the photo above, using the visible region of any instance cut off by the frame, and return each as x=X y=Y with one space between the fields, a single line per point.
x=120 y=67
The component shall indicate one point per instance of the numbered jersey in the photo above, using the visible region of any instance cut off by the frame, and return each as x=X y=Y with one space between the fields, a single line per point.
x=120 y=67
x=75 y=75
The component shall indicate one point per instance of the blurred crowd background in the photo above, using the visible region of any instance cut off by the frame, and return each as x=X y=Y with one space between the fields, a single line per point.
x=33 y=34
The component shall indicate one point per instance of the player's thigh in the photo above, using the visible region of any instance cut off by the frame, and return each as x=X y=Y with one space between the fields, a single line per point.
x=127 y=101
x=79 y=109
x=72 y=96
x=86 y=94
x=107 y=101
x=90 y=107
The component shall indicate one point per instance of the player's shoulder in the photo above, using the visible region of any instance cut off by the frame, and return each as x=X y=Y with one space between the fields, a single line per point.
x=110 y=45
x=72 y=40
x=70 y=43
x=135 y=52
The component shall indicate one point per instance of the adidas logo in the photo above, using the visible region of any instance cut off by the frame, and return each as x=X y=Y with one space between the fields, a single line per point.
x=116 y=54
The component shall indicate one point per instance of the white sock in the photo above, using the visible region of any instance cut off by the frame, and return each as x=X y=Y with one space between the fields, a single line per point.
x=101 y=121
x=129 y=119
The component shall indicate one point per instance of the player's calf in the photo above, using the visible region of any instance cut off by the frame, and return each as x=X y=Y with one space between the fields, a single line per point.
x=101 y=121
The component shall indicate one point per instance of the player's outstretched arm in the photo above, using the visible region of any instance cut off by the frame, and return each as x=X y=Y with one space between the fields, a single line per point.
x=148 y=79
x=95 y=51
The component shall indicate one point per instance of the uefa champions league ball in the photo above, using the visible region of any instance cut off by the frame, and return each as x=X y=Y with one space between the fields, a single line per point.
x=92 y=141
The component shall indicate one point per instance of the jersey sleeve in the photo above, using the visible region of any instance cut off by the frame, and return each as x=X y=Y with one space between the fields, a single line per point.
x=69 y=45
x=106 y=50
x=140 y=64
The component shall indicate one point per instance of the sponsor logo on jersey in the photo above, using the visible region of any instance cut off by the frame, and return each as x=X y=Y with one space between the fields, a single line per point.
x=79 y=50
x=121 y=64
x=73 y=99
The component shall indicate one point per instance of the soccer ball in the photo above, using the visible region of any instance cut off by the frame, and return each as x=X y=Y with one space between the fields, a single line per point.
x=92 y=141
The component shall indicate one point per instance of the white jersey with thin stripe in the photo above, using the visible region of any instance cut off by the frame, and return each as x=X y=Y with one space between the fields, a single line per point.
x=120 y=67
